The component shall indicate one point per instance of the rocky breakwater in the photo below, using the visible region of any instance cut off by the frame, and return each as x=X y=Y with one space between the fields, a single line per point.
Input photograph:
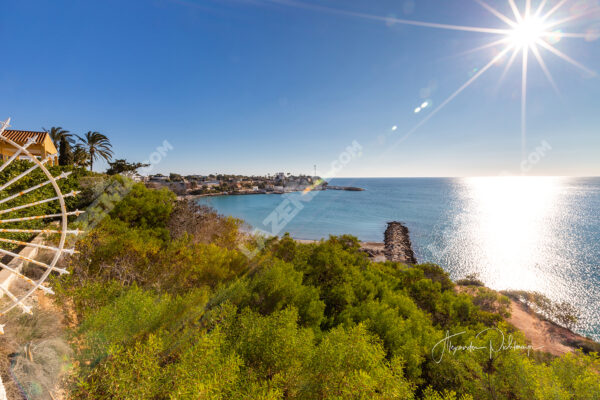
x=348 y=188
x=397 y=244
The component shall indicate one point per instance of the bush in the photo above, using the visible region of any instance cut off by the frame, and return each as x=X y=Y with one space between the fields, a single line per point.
x=470 y=280
x=351 y=364
x=169 y=309
x=273 y=288
x=203 y=225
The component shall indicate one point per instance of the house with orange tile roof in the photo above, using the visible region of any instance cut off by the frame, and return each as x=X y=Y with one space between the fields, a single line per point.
x=40 y=145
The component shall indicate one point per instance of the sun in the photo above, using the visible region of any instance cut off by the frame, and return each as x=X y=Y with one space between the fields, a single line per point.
x=531 y=33
x=527 y=32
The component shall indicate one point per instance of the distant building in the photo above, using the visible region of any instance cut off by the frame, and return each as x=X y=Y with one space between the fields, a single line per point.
x=133 y=176
x=158 y=178
x=41 y=145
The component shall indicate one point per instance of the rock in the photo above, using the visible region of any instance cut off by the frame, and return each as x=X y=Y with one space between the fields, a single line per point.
x=397 y=244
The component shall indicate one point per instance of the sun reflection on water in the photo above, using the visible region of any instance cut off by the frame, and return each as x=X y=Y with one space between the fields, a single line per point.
x=510 y=225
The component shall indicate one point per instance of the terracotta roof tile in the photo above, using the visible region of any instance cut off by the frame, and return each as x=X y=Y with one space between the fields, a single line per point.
x=21 y=137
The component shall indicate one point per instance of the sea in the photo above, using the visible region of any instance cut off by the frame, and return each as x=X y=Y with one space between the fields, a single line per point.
x=518 y=233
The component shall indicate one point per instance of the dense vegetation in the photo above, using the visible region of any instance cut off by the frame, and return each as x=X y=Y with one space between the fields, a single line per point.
x=71 y=183
x=167 y=307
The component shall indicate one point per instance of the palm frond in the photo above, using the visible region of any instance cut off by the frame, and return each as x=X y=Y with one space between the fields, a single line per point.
x=97 y=146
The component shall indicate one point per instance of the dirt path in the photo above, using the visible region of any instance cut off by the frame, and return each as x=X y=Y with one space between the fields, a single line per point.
x=543 y=335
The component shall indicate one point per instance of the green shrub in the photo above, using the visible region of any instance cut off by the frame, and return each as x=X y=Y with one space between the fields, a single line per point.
x=274 y=288
x=470 y=280
x=169 y=310
x=351 y=364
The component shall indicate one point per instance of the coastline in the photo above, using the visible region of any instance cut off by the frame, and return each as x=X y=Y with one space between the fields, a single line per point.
x=257 y=192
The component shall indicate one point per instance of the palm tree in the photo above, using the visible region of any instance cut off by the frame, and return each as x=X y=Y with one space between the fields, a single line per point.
x=81 y=158
x=97 y=146
x=57 y=133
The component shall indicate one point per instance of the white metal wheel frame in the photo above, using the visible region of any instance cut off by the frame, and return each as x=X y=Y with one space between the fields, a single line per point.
x=62 y=228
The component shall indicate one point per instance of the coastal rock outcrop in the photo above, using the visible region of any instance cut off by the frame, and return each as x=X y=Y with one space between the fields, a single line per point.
x=397 y=244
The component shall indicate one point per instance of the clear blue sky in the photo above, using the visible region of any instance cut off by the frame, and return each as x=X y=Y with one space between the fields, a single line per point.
x=264 y=86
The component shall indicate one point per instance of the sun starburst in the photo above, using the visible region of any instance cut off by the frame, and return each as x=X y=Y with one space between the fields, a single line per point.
x=528 y=31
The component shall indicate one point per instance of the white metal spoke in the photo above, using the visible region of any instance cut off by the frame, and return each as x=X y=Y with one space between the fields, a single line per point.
x=4 y=221
x=41 y=264
x=5 y=124
x=37 y=245
x=37 y=203
x=26 y=309
x=26 y=279
x=17 y=153
x=48 y=231
x=18 y=177
x=31 y=189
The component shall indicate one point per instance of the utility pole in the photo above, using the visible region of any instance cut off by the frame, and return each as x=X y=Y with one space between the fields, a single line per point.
x=315 y=170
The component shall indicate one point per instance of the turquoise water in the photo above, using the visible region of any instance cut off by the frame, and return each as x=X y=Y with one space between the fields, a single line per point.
x=529 y=233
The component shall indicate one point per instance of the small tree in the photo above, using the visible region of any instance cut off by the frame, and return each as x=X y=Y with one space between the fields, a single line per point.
x=175 y=177
x=65 y=155
x=121 y=166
